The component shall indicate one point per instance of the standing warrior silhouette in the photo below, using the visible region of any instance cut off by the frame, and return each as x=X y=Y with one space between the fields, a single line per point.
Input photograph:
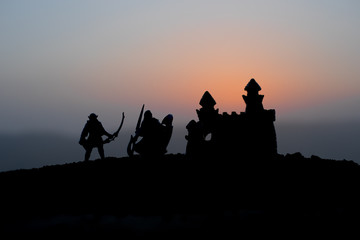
x=91 y=136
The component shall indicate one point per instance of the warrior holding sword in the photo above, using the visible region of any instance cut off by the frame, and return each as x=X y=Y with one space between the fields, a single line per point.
x=91 y=136
x=155 y=136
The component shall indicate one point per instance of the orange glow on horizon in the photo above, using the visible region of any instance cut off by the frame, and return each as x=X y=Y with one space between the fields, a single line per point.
x=174 y=73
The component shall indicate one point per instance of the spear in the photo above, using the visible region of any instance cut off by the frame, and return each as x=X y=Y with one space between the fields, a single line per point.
x=133 y=139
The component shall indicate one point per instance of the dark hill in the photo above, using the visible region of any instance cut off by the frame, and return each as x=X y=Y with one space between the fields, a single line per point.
x=176 y=196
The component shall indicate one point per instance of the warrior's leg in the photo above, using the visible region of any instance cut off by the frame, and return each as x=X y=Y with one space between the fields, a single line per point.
x=87 y=153
x=101 y=151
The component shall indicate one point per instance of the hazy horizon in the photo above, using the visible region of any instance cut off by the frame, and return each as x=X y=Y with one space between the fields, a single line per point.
x=34 y=150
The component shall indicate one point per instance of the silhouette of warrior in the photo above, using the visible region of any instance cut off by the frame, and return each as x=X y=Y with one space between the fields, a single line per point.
x=166 y=132
x=155 y=135
x=94 y=131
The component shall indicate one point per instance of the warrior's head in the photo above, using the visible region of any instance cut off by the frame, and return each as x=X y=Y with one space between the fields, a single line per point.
x=168 y=119
x=147 y=114
x=92 y=116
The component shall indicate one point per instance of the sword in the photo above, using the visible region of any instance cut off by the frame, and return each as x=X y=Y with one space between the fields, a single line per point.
x=117 y=131
x=130 y=147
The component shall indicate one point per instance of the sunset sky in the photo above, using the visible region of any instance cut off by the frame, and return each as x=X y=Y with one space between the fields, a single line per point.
x=62 y=60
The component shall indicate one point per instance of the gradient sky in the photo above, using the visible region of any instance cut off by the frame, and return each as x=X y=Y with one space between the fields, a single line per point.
x=61 y=60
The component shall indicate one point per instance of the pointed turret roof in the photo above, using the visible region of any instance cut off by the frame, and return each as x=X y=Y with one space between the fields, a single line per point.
x=207 y=100
x=252 y=86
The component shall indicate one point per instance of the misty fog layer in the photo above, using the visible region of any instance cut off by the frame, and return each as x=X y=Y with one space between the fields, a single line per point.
x=331 y=141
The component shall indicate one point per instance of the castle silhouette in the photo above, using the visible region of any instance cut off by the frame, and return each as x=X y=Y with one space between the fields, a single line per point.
x=248 y=134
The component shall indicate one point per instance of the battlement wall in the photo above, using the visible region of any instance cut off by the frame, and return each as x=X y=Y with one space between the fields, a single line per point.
x=266 y=114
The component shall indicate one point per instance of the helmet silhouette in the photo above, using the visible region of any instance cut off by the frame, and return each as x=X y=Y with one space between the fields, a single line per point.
x=92 y=116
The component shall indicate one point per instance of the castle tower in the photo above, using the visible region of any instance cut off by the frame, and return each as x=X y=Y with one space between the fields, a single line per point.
x=253 y=100
x=207 y=101
x=260 y=129
x=207 y=112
